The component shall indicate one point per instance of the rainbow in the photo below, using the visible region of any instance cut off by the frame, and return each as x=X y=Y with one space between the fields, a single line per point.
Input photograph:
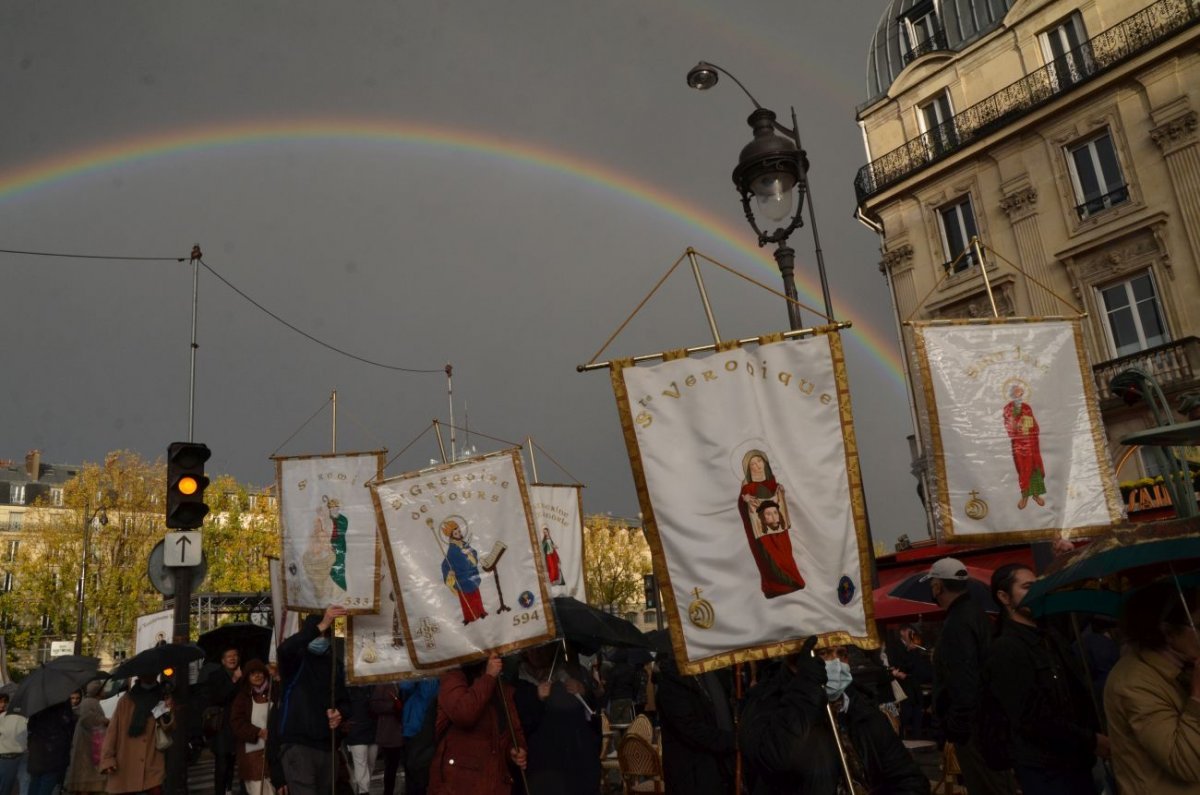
x=81 y=163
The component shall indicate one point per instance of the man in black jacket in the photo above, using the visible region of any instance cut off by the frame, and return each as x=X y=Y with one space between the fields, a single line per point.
x=697 y=730
x=306 y=718
x=1042 y=692
x=958 y=660
x=788 y=742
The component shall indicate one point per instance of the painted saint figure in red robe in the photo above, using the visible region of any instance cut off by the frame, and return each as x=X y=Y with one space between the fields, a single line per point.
x=553 y=563
x=762 y=505
x=1024 y=435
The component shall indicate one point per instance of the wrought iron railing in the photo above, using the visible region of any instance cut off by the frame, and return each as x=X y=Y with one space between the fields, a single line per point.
x=1174 y=365
x=935 y=42
x=1118 y=195
x=1106 y=50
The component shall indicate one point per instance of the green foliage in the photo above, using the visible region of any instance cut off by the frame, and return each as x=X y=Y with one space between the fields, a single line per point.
x=130 y=490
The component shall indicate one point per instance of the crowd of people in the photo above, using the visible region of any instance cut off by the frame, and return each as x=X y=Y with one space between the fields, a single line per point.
x=1023 y=708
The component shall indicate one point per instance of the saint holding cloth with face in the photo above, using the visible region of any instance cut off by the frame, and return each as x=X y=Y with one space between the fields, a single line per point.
x=762 y=504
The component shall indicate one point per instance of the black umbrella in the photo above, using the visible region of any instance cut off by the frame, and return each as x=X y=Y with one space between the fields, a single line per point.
x=913 y=589
x=53 y=683
x=251 y=641
x=153 y=661
x=589 y=628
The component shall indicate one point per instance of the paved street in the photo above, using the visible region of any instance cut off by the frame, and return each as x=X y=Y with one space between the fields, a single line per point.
x=200 y=777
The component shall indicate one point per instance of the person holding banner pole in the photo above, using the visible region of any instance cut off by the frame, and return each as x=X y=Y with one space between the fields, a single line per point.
x=312 y=706
x=477 y=733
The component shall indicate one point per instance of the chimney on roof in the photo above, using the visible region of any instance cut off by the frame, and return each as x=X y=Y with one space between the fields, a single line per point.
x=33 y=464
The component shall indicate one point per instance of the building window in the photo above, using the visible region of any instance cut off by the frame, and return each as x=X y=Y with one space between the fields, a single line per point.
x=922 y=32
x=1096 y=175
x=1134 y=319
x=936 y=119
x=56 y=496
x=1066 y=51
x=957 y=222
x=13 y=547
x=46 y=622
x=16 y=494
x=6 y=584
x=15 y=521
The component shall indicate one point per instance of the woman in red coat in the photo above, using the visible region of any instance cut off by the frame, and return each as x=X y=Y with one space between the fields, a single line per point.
x=476 y=733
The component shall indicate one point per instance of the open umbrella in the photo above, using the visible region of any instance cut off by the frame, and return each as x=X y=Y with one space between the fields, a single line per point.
x=1097 y=578
x=53 y=683
x=589 y=628
x=154 y=660
x=251 y=641
x=914 y=590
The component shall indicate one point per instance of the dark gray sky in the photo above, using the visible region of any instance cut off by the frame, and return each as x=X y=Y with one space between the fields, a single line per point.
x=491 y=184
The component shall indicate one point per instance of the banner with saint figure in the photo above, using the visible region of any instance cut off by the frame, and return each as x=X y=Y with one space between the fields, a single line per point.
x=331 y=552
x=558 y=518
x=285 y=622
x=1017 y=444
x=747 y=473
x=466 y=559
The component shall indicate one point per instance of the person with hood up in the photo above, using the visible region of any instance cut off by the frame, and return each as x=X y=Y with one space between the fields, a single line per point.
x=309 y=713
x=697 y=730
x=788 y=741
x=84 y=776
x=248 y=720
x=130 y=757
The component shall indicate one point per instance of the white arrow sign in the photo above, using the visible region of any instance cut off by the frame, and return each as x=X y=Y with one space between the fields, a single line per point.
x=182 y=549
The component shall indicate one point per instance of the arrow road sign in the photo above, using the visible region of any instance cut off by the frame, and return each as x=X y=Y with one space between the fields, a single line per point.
x=182 y=549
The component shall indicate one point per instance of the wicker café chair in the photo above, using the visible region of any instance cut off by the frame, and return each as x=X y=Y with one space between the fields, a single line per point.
x=641 y=766
x=642 y=727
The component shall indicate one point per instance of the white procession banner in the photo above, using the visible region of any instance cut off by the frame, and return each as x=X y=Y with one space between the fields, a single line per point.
x=747 y=473
x=330 y=544
x=152 y=629
x=466 y=560
x=375 y=647
x=558 y=518
x=1019 y=450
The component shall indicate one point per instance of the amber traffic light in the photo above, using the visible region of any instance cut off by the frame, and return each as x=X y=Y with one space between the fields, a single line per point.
x=185 y=485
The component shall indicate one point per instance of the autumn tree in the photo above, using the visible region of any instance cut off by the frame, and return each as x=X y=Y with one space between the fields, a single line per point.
x=124 y=498
x=616 y=556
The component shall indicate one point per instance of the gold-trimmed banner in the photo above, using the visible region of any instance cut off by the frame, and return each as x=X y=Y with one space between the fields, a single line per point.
x=331 y=552
x=1017 y=441
x=558 y=518
x=747 y=473
x=376 y=647
x=465 y=557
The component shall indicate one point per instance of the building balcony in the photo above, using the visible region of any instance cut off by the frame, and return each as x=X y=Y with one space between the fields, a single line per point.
x=1105 y=51
x=935 y=42
x=1175 y=366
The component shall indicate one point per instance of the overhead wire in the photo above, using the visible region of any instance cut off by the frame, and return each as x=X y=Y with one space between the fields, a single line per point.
x=231 y=286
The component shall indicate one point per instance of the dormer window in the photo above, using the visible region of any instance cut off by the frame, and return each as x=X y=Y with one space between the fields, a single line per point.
x=921 y=32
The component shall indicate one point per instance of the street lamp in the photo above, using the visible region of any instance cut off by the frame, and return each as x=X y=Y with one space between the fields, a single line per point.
x=772 y=170
x=90 y=518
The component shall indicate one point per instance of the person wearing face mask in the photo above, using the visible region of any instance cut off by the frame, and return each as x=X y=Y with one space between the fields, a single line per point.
x=958 y=659
x=1152 y=697
x=309 y=713
x=788 y=740
x=1038 y=685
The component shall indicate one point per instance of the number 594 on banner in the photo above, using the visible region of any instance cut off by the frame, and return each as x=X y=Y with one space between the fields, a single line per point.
x=182 y=549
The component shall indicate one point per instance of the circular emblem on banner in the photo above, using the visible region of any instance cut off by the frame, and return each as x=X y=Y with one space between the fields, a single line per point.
x=700 y=611
x=846 y=590
x=976 y=508
x=526 y=599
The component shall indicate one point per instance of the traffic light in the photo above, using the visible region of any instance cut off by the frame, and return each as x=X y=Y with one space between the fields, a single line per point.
x=650 y=585
x=186 y=484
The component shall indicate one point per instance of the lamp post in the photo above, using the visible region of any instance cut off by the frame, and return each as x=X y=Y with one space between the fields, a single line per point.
x=90 y=518
x=773 y=171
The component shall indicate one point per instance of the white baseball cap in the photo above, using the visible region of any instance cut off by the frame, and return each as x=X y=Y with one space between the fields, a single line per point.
x=947 y=569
